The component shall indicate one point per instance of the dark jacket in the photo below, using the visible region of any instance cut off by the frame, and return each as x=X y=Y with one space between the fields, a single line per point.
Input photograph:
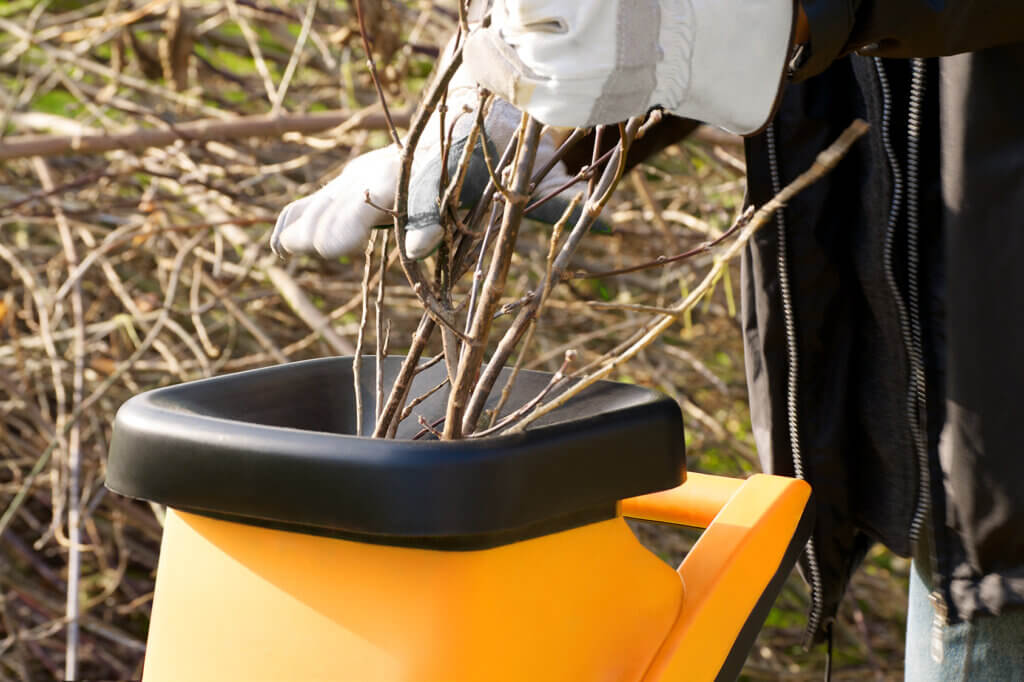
x=883 y=313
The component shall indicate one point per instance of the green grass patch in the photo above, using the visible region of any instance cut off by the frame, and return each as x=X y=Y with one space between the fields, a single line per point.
x=58 y=103
x=12 y=7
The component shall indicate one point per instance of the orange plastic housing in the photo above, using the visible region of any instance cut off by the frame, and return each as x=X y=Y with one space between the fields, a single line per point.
x=240 y=602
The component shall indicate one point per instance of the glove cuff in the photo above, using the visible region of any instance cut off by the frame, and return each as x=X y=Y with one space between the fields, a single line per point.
x=724 y=62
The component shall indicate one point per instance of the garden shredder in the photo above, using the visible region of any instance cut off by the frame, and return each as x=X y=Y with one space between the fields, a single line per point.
x=295 y=550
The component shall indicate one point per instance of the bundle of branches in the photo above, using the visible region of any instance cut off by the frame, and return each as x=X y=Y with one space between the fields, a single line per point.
x=483 y=241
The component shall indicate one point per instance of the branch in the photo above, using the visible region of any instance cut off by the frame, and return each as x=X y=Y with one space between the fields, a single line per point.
x=194 y=131
x=420 y=286
x=556 y=236
x=494 y=286
x=388 y=419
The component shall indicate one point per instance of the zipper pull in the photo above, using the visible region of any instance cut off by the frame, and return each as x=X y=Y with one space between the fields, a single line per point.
x=938 y=624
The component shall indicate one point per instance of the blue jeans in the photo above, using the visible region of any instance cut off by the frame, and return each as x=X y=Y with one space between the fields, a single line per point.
x=988 y=649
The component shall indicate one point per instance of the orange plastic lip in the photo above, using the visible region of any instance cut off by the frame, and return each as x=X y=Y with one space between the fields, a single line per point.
x=695 y=503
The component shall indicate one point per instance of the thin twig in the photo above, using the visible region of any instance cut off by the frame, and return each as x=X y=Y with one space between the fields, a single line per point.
x=419 y=399
x=367 y=199
x=595 y=153
x=74 y=434
x=583 y=174
x=380 y=338
x=293 y=61
x=574 y=137
x=357 y=359
x=704 y=247
x=428 y=364
x=254 y=49
x=556 y=379
x=644 y=192
x=484 y=207
x=371 y=64
x=428 y=428
x=387 y=422
x=492 y=172
x=824 y=162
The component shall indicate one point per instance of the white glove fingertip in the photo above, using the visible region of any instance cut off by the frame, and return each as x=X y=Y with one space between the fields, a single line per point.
x=297 y=238
x=279 y=227
x=291 y=234
x=421 y=243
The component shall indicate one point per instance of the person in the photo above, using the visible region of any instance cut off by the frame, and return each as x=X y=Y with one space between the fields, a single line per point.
x=883 y=312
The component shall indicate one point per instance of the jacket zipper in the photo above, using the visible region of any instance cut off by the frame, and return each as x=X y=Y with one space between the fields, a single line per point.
x=792 y=376
x=917 y=84
x=909 y=314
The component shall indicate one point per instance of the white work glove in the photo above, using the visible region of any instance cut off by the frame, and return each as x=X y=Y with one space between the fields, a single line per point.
x=589 y=62
x=336 y=220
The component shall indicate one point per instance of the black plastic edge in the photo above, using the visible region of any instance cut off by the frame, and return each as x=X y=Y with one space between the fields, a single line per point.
x=462 y=495
x=733 y=664
x=430 y=496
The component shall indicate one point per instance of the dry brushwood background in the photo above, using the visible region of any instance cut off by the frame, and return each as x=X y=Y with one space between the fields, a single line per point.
x=147 y=147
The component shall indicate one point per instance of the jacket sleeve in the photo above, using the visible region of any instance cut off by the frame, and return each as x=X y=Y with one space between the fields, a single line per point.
x=907 y=28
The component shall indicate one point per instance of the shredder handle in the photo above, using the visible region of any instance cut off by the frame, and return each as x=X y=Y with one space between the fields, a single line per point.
x=694 y=503
x=755 y=530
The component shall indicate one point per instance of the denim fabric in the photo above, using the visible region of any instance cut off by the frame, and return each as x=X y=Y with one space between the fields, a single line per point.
x=989 y=648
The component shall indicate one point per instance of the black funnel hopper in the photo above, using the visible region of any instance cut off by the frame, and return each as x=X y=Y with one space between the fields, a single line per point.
x=276 y=447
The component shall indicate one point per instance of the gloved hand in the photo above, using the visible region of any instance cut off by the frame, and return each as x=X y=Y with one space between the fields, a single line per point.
x=587 y=62
x=337 y=220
